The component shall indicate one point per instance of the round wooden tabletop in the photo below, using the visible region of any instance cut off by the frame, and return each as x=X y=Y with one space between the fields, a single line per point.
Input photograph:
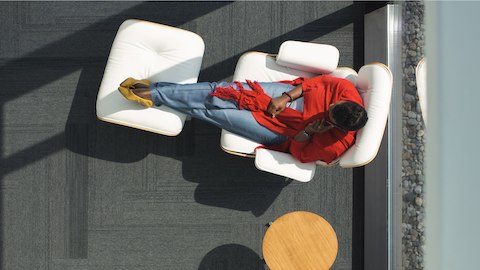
x=300 y=240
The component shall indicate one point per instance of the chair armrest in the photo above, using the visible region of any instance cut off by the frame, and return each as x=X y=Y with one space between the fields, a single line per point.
x=307 y=56
x=284 y=164
x=237 y=145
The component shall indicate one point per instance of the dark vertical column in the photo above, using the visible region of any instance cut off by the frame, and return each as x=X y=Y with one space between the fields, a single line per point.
x=2 y=199
x=358 y=220
x=376 y=173
x=358 y=173
x=376 y=211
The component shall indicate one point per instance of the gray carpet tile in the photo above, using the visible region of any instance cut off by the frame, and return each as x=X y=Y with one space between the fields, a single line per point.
x=77 y=193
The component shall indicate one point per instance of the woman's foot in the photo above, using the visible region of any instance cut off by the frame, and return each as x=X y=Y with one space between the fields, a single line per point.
x=143 y=92
x=137 y=90
x=129 y=82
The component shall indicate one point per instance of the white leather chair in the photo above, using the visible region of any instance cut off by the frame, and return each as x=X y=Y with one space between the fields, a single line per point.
x=421 y=78
x=302 y=59
x=146 y=50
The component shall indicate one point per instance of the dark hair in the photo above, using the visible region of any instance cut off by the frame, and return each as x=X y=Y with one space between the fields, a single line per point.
x=349 y=115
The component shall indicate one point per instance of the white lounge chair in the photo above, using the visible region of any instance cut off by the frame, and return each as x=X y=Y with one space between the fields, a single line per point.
x=295 y=59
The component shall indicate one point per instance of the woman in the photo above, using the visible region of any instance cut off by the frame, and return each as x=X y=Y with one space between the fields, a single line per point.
x=313 y=119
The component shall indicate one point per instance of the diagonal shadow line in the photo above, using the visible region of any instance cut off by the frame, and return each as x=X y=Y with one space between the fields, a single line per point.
x=327 y=24
x=297 y=34
x=44 y=147
x=317 y=28
x=83 y=37
x=49 y=146
x=33 y=153
x=38 y=60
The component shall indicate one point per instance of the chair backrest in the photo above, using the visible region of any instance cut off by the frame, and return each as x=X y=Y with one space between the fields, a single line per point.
x=375 y=86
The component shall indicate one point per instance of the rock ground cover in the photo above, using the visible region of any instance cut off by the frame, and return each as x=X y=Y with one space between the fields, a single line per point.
x=413 y=211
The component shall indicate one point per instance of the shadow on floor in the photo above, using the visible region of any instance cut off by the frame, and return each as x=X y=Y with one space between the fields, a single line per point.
x=87 y=136
x=231 y=257
x=236 y=185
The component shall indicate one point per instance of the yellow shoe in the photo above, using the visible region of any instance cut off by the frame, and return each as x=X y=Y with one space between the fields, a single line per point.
x=128 y=94
x=131 y=83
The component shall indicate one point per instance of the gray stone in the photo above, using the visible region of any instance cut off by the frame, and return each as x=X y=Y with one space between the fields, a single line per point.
x=409 y=197
x=409 y=98
x=412 y=122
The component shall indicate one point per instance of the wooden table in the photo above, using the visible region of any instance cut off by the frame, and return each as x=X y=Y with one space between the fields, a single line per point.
x=300 y=240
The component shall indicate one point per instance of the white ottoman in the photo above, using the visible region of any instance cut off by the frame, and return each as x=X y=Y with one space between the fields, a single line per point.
x=146 y=50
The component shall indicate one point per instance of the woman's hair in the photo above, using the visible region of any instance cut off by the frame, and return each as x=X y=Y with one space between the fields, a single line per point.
x=349 y=115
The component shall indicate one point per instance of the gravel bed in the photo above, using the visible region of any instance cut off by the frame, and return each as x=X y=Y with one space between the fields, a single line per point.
x=413 y=211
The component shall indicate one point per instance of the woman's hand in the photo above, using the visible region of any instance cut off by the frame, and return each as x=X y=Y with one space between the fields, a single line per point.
x=277 y=105
x=318 y=126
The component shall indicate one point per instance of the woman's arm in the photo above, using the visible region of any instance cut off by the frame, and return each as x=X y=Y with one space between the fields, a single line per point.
x=306 y=149
x=314 y=150
x=278 y=104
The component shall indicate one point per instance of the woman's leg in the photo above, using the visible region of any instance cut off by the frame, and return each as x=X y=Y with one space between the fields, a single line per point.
x=188 y=97
x=185 y=97
x=195 y=100
x=240 y=122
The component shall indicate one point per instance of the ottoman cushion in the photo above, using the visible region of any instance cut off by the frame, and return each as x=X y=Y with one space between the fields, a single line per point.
x=146 y=50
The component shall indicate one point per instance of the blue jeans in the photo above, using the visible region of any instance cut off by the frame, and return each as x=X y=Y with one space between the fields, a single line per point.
x=194 y=100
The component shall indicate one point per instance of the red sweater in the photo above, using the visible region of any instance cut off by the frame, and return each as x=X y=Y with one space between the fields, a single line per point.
x=318 y=92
